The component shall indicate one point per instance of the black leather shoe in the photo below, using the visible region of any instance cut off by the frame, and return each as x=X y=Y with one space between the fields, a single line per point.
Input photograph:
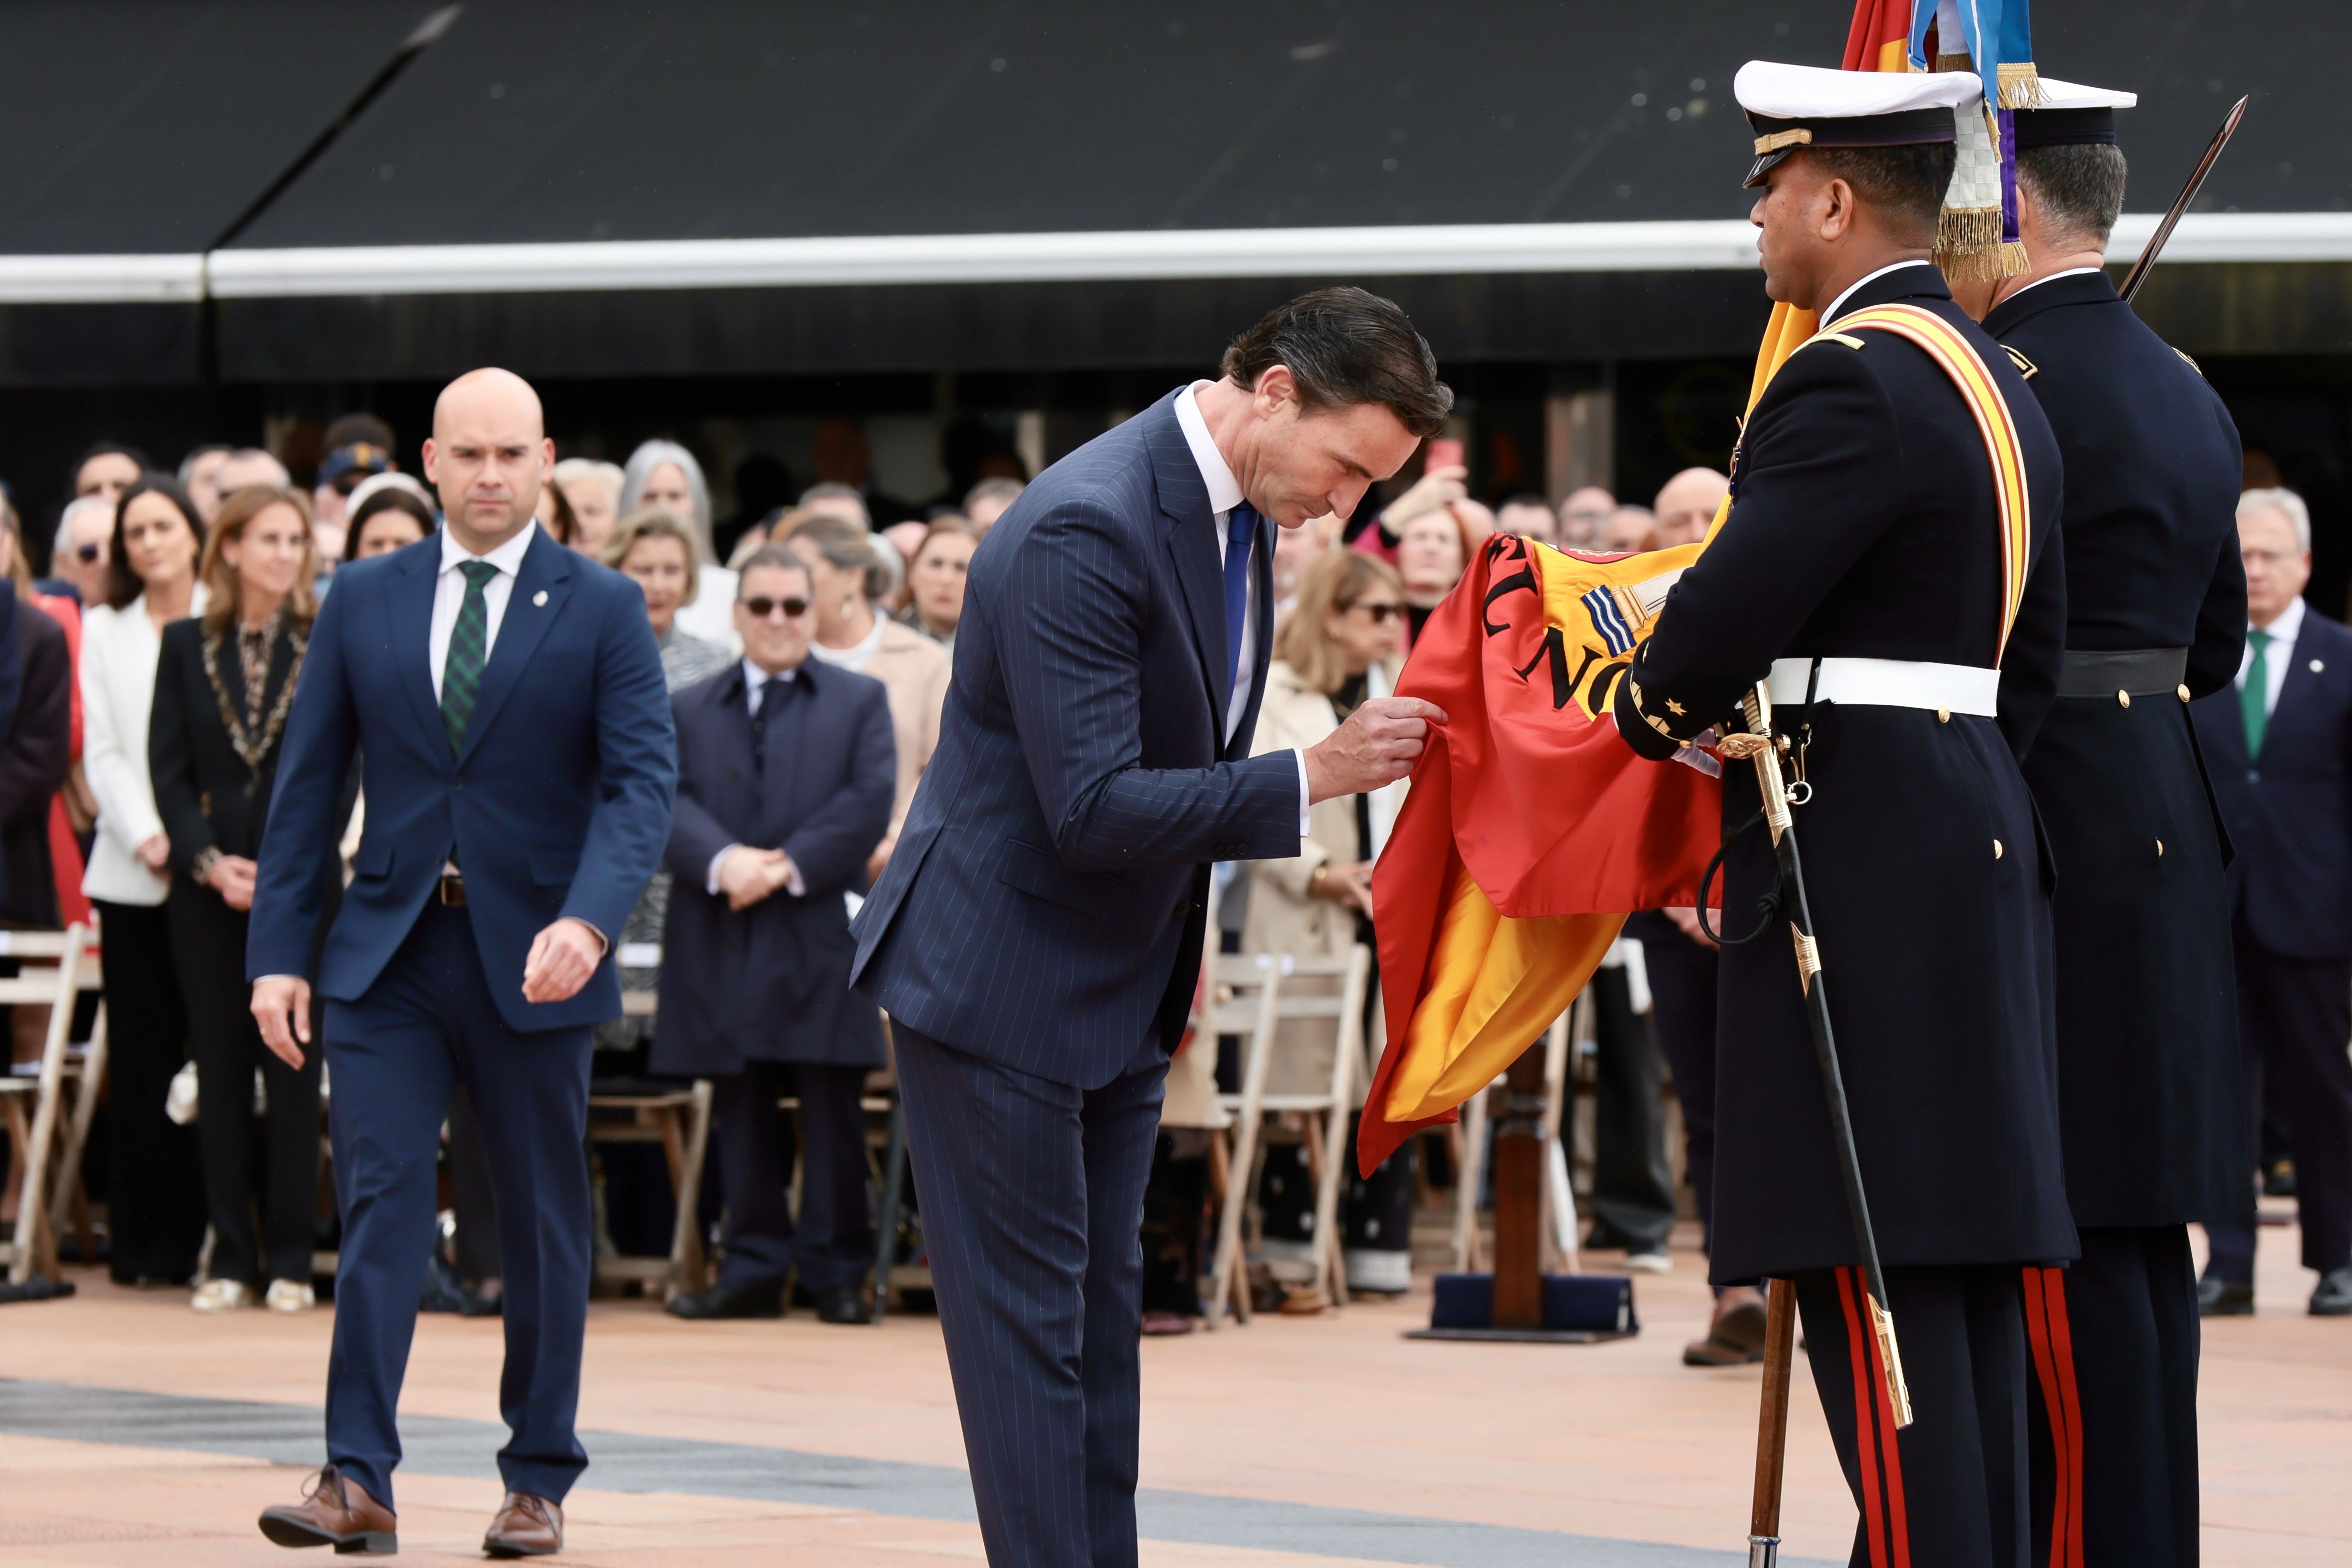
x=2278 y=1180
x=2225 y=1297
x=2333 y=1299
x=731 y=1302
x=842 y=1304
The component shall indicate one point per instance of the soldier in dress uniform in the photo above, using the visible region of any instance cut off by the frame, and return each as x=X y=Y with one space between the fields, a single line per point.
x=1913 y=645
x=2147 y=1041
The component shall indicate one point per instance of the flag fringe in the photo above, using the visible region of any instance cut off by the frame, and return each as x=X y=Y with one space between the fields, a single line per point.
x=2020 y=86
x=1984 y=262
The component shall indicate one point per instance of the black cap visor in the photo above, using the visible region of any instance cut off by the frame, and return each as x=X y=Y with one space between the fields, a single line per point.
x=1777 y=138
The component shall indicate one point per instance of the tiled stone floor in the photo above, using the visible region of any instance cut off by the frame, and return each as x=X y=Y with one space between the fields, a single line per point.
x=1308 y=1442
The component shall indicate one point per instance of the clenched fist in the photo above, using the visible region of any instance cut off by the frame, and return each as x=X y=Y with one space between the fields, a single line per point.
x=1376 y=746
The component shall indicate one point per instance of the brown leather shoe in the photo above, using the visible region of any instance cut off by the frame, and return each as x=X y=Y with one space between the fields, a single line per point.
x=1736 y=1335
x=336 y=1511
x=526 y=1526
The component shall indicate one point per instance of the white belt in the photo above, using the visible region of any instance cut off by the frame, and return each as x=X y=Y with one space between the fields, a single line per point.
x=1888 y=683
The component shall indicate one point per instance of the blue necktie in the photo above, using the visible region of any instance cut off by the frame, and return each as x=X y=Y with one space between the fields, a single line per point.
x=1241 y=534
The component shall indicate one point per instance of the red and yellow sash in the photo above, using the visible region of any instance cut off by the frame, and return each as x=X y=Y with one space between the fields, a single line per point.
x=1959 y=359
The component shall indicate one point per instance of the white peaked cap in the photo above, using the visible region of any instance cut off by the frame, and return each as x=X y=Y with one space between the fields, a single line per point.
x=1810 y=92
x=2056 y=94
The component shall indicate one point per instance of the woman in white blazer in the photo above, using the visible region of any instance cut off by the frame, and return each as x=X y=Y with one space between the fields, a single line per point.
x=1337 y=647
x=156 y=1192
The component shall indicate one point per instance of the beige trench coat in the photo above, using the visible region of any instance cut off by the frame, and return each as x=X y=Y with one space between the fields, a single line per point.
x=1284 y=917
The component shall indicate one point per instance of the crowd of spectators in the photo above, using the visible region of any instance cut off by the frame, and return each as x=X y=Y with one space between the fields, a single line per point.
x=135 y=778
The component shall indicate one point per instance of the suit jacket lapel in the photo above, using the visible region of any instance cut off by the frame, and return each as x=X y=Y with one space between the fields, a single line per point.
x=1191 y=531
x=409 y=589
x=540 y=590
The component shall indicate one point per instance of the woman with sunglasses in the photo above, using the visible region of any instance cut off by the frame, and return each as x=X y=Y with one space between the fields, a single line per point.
x=1338 y=647
x=155 y=1201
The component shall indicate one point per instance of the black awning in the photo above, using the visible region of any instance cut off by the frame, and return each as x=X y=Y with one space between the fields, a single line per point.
x=594 y=119
x=149 y=126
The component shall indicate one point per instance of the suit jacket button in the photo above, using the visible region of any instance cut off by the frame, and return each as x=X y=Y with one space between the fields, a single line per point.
x=1996 y=849
x=2123 y=699
x=2182 y=691
x=1943 y=715
x=2253 y=775
x=2159 y=849
x=2317 y=666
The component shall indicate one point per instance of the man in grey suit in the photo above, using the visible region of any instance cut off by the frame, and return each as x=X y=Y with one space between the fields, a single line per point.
x=1037 y=934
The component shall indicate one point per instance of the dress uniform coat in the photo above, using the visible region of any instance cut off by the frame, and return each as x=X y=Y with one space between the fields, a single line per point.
x=1865 y=523
x=1863 y=526
x=2148 y=1046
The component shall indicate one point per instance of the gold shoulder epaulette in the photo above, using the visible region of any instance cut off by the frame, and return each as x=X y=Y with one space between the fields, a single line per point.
x=2187 y=360
x=2025 y=367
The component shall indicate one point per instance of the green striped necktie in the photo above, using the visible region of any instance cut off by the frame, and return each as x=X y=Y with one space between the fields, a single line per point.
x=461 y=677
x=2254 y=696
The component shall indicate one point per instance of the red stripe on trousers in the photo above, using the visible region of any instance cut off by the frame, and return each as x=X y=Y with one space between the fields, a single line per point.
x=2054 y=1365
x=1877 y=1463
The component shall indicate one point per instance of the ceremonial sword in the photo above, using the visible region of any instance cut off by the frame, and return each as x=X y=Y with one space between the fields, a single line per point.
x=1764 y=1524
x=2139 y=269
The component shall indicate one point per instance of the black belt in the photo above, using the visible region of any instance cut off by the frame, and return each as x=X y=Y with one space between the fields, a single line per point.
x=2129 y=672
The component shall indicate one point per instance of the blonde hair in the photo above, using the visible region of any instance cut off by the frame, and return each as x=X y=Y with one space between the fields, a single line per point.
x=238 y=509
x=656 y=523
x=1335 y=579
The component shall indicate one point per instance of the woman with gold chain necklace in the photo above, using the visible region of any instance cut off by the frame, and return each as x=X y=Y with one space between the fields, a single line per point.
x=223 y=690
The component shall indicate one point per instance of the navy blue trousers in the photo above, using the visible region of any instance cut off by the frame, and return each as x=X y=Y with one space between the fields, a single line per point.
x=2293 y=1016
x=2115 y=1337
x=1033 y=1213
x=426 y=1025
x=1951 y=1490
x=833 y=1243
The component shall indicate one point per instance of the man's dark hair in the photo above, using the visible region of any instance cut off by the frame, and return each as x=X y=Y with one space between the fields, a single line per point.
x=773 y=557
x=106 y=449
x=350 y=429
x=2078 y=185
x=1345 y=346
x=1903 y=183
x=122 y=584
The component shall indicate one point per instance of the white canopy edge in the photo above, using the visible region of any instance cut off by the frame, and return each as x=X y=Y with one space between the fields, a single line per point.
x=1710 y=244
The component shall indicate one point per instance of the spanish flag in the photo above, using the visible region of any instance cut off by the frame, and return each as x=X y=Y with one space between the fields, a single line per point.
x=1532 y=829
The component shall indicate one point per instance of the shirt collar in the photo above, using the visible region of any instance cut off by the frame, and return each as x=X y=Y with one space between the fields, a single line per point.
x=507 y=558
x=2070 y=272
x=2287 y=627
x=753 y=675
x=1838 y=304
x=1224 y=490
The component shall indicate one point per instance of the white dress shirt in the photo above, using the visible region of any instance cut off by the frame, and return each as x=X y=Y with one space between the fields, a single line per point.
x=755 y=687
x=1224 y=494
x=449 y=594
x=2283 y=633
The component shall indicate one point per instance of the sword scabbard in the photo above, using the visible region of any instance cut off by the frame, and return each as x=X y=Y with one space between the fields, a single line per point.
x=1898 y=1392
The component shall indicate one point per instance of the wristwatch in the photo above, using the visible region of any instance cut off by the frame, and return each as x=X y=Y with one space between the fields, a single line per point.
x=207 y=858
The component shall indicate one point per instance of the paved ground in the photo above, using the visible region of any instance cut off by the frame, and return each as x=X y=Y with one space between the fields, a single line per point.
x=127 y=1422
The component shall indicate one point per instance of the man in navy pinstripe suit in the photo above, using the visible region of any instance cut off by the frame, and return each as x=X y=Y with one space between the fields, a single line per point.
x=1038 y=933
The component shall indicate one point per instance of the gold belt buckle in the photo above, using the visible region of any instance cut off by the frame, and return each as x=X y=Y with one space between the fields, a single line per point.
x=451 y=890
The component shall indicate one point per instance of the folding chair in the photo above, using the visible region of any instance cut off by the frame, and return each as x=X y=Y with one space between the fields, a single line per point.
x=1333 y=1104
x=1230 y=1010
x=679 y=1120
x=34 y=1246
